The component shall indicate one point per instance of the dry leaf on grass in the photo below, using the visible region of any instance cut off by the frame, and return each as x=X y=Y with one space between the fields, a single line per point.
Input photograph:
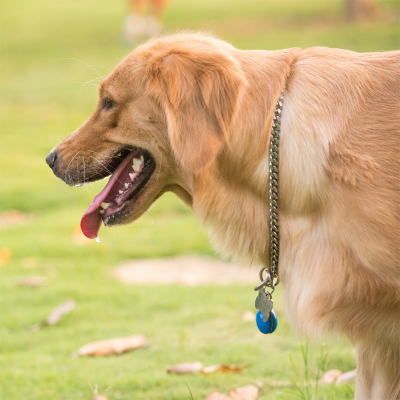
x=59 y=311
x=111 y=346
x=330 y=376
x=249 y=316
x=5 y=255
x=218 y=396
x=185 y=368
x=249 y=392
x=31 y=281
x=79 y=238
x=96 y=391
x=211 y=369
x=347 y=377
x=55 y=315
x=223 y=368
x=13 y=217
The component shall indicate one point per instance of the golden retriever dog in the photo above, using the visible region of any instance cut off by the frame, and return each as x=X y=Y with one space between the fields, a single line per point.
x=192 y=115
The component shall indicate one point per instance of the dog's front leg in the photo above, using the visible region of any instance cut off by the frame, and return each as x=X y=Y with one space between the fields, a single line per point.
x=378 y=373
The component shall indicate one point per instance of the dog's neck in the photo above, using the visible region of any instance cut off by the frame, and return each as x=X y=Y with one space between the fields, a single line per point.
x=237 y=211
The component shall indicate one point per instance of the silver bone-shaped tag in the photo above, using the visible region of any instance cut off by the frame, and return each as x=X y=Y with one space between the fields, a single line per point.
x=264 y=304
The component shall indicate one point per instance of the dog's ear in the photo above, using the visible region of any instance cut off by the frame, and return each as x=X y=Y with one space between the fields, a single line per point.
x=200 y=91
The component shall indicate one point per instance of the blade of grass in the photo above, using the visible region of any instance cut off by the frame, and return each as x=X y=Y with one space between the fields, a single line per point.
x=321 y=369
x=304 y=351
x=191 y=394
x=303 y=396
x=350 y=389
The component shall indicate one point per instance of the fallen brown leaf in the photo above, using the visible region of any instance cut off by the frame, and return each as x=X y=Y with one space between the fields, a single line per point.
x=112 y=346
x=218 y=396
x=79 y=238
x=210 y=369
x=185 y=368
x=232 y=367
x=330 y=376
x=249 y=392
x=59 y=311
x=12 y=217
x=249 y=316
x=5 y=255
x=223 y=368
x=55 y=315
x=347 y=377
x=96 y=391
x=31 y=281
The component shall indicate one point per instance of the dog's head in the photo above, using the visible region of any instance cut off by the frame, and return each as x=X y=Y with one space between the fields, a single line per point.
x=162 y=117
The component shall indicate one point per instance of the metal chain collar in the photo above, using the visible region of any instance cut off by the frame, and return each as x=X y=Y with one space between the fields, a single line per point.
x=272 y=279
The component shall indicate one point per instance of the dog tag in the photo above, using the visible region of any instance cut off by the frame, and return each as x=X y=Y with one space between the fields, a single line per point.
x=268 y=326
x=264 y=304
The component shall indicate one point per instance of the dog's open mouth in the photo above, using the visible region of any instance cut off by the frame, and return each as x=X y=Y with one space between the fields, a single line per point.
x=128 y=179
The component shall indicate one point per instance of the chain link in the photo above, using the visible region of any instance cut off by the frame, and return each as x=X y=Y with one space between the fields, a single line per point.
x=272 y=278
x=273 y=187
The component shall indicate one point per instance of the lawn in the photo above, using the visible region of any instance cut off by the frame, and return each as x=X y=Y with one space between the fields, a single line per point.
x=49 y=49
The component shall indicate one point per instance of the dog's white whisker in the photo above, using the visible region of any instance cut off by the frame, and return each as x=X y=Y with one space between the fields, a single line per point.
x=88 y=65
x=66 y=171
x=84 y=170
x=84 y=84
x=111 y=173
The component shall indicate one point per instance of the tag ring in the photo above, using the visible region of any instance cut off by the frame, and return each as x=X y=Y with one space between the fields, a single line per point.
x=268 y=281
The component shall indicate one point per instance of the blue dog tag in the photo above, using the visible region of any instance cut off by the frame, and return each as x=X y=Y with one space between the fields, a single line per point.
x=270 y=325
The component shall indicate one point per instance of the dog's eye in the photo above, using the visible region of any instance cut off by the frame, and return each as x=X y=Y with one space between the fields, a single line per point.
x=108 y=104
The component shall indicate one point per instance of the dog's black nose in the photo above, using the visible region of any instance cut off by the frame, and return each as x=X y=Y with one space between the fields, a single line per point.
x=51 y=159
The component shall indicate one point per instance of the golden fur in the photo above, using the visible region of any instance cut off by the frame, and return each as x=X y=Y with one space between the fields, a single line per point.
x=204 y=109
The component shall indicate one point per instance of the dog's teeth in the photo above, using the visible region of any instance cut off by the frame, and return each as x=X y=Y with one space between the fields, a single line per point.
x=132 y=176
x=136 y=164
x=126 y=185
x=120 y=191
x=141 y=158
x=118 y=154
x=104 y=205
x=101 y=211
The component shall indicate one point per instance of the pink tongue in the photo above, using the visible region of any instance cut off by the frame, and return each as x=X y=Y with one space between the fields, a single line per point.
x=91 y=219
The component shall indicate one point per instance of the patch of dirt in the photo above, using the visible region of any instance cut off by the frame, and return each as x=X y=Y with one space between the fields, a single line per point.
x=185 y=271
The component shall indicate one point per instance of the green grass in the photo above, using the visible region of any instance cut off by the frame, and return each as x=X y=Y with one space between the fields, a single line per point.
x=45 y=48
